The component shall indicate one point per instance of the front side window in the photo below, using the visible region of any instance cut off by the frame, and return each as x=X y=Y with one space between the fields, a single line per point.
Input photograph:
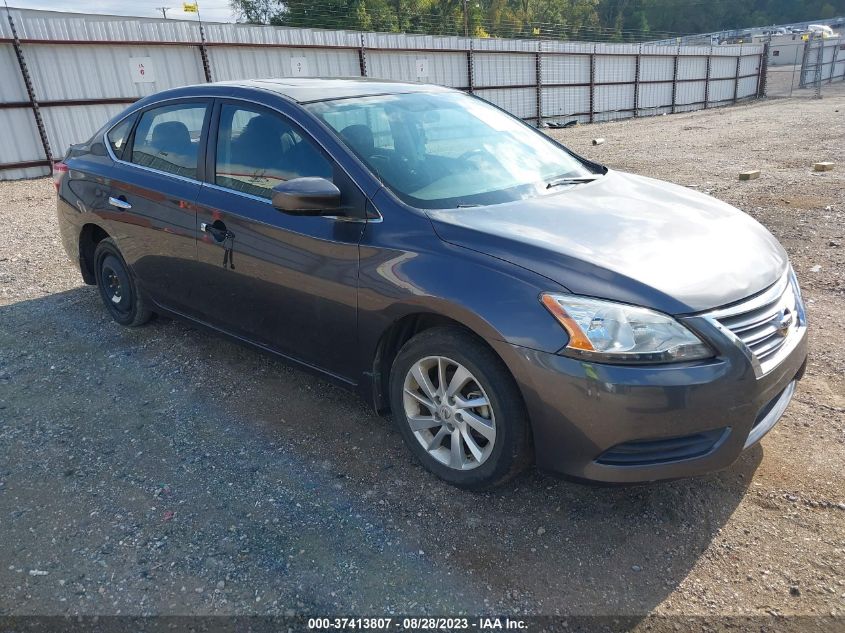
x=168 y=138
x=442 y=150
x=257 y=149
x=119 y=134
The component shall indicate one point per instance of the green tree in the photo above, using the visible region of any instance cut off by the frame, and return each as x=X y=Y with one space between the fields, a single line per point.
x=615 y=20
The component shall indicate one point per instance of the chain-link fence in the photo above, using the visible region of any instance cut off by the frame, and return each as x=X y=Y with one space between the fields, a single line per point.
x=814 y=64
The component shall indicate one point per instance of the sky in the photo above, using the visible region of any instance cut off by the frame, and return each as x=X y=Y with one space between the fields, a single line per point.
x=210 y=10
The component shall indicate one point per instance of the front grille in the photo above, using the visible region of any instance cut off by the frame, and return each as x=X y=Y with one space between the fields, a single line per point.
x=760 y=328
x=662 y=451
x=765 y=323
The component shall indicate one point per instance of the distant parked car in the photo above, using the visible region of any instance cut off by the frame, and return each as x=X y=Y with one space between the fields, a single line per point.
x=821 y=30
x=506 y=299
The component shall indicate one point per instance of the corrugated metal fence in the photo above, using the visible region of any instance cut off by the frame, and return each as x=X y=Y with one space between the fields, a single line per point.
x=83 y=69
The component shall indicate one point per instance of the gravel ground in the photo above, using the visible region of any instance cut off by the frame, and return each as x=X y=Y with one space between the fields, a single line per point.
x=162 y=471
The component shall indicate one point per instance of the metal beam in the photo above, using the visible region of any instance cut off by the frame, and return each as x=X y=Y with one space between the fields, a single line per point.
x=27 y=163
x=69 y=102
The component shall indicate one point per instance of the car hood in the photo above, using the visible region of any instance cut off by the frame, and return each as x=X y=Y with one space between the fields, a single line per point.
x=627 y=238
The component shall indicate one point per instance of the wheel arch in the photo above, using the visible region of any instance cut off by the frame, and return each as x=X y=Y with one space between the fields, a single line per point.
x=399 y=332
x=89 y=236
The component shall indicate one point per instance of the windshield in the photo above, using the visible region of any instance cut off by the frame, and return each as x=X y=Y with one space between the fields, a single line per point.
x=444 y=150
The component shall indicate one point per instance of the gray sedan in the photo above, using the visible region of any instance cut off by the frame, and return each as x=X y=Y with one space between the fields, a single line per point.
x=507 y=301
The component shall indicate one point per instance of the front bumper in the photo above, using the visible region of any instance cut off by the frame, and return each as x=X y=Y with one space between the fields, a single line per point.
x=626 y=424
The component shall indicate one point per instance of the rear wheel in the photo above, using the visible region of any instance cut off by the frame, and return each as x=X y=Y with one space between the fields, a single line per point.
x=117 y=286
x=459 y=409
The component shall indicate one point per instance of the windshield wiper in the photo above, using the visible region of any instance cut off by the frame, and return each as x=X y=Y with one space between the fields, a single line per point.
x=571 y=180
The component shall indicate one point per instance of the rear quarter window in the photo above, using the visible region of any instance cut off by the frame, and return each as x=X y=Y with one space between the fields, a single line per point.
x=119 y=134
x=167 y=138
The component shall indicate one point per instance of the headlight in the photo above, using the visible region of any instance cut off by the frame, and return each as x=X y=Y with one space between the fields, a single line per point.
x=610 y=332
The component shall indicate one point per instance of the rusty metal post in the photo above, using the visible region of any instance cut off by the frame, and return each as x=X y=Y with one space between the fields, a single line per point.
x=763 y=72
x=470 y=69
x=637 y=82
x=538 y=59
x=805 y=54
x=362 y=56
x=736 y=77
x=593 y=85
x=30 y=90
x=817 y=80
x=707 y=78
x=675 y=81
x=206 y=67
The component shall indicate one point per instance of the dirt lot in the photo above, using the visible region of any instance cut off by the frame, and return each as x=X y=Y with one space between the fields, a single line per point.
x=162 y=470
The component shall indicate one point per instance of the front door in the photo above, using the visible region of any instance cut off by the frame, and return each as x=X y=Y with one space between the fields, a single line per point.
x=283 y=281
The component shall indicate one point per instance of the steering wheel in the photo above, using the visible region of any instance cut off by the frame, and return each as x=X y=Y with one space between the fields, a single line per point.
x=475 y=156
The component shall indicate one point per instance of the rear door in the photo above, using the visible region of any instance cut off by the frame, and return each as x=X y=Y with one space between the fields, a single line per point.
x=151 y=196
x=283 y=281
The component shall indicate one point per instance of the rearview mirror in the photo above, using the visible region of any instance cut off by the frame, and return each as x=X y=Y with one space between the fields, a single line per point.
x=307 y=196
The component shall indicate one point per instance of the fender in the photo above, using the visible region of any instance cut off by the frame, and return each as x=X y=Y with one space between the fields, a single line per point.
x=406 y=269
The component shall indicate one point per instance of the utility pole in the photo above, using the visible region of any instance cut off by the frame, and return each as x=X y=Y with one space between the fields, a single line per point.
x=163 y=10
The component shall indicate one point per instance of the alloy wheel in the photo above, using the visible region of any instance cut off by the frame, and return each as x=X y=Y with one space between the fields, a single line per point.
x=449 y=412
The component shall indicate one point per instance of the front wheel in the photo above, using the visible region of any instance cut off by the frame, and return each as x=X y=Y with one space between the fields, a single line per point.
x=459 y=409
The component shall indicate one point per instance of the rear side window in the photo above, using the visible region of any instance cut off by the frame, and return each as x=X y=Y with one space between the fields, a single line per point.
x=119 y=134
x=168 y=138
x=257 y=149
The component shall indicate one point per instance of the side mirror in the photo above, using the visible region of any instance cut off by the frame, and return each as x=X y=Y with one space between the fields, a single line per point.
x=307 y=196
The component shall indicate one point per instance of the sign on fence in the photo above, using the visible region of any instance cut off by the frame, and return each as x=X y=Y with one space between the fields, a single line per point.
x=141 y=69
x=298 y=66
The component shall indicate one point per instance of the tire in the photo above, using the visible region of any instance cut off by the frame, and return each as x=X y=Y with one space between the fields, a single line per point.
x=117 y=286
x=499 y=454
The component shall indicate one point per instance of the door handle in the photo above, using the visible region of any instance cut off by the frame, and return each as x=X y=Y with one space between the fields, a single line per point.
x=120 y=203
x=218 y=232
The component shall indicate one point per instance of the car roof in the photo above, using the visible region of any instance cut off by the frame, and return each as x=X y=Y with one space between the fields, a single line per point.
x=306 y=90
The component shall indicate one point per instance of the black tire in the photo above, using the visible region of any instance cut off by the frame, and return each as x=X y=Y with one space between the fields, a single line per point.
x=117 y=286
x=512 y=448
